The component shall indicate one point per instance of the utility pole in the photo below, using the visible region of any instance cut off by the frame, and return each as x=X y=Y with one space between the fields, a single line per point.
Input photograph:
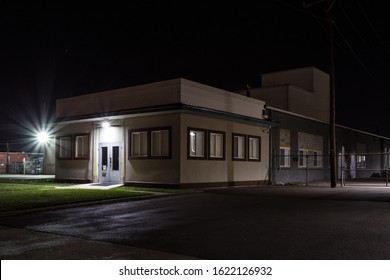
x=332 y=99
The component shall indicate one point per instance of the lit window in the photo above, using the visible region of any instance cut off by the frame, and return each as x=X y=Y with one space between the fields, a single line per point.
x=196 y=143
x=254 y=148
x=160 y=143
x=284 y=160
x=238 y=147
x=139 y=144
x=361 y=161
x=81 y=146
x=65 y=147
x=216 y=145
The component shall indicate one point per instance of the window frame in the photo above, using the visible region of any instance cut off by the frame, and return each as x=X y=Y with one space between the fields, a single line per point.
x=361 y=164
x=245 y=147
x=249 y=147
x=304 y=157
x=138 y=132
x=316 y=154
x=83 y=157
x=217 y=132
x=58 y=145
x=168 y=129
x=284 y=157
x=309 y=156
x=149 y=132
x=205 y=146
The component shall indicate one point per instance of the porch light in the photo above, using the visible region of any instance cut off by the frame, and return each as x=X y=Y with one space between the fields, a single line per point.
x=105 y=124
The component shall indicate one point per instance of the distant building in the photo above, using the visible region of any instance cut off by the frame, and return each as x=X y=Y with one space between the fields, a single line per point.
x=21 y=163
x=298 y=100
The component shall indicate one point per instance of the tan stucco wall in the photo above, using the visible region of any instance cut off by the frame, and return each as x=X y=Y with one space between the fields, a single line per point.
x=154 y=170
x=205 y=171
x=142 y=96
x=75 y=169
x=50 y=158
x=177 y=169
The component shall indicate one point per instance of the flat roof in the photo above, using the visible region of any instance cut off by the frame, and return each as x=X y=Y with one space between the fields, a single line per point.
x=156 y=95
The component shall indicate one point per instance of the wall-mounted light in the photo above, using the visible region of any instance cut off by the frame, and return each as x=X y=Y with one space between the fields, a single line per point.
x=106 y=124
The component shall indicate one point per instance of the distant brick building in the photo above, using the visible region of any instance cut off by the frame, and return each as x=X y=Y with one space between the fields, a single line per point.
x=20 y=163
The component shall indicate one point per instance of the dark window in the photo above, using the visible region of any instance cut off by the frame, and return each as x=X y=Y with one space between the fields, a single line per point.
x=115 y=158
x=104 y=158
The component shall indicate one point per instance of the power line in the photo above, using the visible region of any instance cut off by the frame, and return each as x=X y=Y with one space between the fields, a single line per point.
x=352 y=24
x=354 y=53
x=372 y=27
x=300 y=10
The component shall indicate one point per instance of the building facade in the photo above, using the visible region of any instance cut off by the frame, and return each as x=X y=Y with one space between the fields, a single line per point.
x=298 y=100
x=184 y=134
x=172 y=133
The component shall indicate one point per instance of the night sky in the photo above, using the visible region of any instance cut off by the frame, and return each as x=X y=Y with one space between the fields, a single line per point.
x=59 y=50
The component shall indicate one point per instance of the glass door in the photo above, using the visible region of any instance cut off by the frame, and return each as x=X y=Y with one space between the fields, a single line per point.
x=109 y=163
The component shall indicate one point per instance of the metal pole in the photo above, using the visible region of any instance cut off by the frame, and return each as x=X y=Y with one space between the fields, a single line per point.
x=387 y=167
x=7 y=161
x=342 y=168
x=332 y=103
x=307 y=169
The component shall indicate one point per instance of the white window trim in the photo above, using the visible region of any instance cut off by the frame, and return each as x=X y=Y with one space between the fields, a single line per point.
x=308 y=159
x=316 y=154
x=285 y=158
x=81 y=150
x=137 y=151
x=241 y=142
x=195 y=141
x=251 y=141
x=213 y=136
x=303 y=158
x=361 y=161
x=65 y=147
x=153 y=138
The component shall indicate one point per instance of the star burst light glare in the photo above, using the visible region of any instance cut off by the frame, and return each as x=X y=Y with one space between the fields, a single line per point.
x=42 y=137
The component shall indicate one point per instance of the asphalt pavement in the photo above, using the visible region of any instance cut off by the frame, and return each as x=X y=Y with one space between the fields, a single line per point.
x=267 y=222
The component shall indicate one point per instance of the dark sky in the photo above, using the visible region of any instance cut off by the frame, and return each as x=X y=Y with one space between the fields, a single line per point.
x=59 y=50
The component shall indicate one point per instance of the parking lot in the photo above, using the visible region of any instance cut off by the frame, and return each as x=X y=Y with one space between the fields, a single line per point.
x=265 y=222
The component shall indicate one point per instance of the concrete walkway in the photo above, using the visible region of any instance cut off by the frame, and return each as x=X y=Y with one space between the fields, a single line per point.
x=27 y=177
x=92 y=186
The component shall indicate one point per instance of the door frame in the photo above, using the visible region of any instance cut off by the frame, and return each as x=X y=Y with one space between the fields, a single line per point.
x=112 y=178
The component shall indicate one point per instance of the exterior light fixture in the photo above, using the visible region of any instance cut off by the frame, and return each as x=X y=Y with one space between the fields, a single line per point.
x=42 y=137
x=105 y=124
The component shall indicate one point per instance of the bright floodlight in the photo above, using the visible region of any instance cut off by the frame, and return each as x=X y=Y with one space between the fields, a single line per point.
x=42 y=137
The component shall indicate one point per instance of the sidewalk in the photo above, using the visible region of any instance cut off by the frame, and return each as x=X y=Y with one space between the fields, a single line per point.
x=27 y=177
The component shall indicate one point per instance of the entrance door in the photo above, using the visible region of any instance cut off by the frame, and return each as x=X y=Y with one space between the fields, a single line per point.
x=109 y=163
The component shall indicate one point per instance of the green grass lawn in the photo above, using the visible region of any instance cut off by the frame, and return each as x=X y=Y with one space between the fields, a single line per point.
x=28 y=195
x=20 y=194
